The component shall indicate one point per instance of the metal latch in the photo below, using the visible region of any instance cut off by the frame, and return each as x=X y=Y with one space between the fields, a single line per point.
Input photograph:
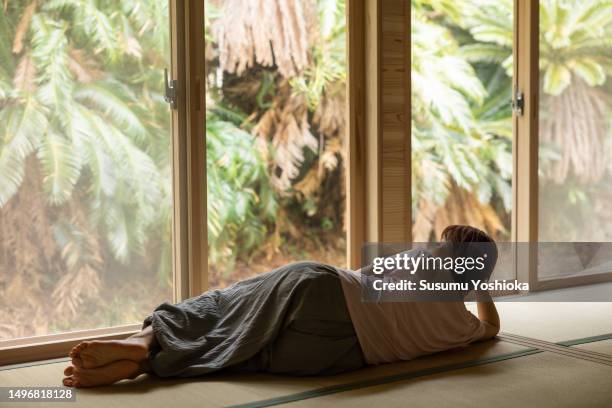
x=518 y=103
x=170 y=95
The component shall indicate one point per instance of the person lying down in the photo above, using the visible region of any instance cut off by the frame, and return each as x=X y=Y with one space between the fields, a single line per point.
x=301 y=319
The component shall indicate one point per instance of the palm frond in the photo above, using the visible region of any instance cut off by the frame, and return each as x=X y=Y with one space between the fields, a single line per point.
x=23 y=128
x=95 y=23
x=49 y=52
x=61 y=166
x=113 y=102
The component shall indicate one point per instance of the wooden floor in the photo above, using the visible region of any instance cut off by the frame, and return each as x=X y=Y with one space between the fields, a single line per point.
x=502 y=373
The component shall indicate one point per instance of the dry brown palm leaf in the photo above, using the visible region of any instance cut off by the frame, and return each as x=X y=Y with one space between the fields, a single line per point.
x=22 y=27
x=27 y=245
x=331 y=123
x=461 y=207
x=241 y=89
x=286 y=126
x=265 y=32
x=82 y=67
x=309 y=184
x=283 y=225
x=576 y=124
x=330 y=115
x=25 y=74
x=330 y=157
x=73 y=288
x=22 y=321
x=79 y=279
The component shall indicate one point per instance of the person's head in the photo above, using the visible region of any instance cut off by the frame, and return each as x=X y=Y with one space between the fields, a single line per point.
x=465 y=240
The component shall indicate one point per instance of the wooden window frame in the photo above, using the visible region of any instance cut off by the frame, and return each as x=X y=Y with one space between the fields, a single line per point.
x=525 y=182
x=189 y=240
x=525 y=142
x=525 y=212
x=378 y=150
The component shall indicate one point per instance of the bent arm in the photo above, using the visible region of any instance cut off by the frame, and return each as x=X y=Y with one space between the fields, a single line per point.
x=487 y=313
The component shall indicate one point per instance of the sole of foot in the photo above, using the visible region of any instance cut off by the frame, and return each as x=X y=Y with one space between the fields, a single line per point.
x=93 y=354
x=95 y=377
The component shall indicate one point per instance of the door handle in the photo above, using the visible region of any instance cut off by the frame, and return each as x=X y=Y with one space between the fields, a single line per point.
x=170 y=90
x=518 y=103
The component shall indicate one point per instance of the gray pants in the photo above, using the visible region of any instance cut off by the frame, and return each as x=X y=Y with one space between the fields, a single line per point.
x=293 y=320
x=317 y=337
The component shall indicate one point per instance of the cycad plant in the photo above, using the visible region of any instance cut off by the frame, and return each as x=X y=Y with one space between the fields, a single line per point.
x=575 y=52
x=84 y=148
x=575 y=108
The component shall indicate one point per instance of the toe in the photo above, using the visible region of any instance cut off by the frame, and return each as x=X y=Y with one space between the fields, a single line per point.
x=68 y=382
x=76 y=349
x=77 y=362
x=82 y=346
x=68 y=371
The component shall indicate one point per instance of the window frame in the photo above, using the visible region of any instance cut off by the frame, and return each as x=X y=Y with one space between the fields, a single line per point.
x=190 y=246
x=525 y=212
x=378 y=196
x=57 y=345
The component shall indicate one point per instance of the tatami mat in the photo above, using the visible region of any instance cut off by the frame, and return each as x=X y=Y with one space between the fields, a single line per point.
x=497 y=372
x=604 y=346
x=554 y=321
x=224 y=390
x=539 y=380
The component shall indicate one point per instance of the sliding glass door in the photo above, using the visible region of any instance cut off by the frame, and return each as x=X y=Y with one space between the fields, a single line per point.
x=276 y=134
x=575 y=138
x=461 y=72
x=86 y=165
x=478 y=160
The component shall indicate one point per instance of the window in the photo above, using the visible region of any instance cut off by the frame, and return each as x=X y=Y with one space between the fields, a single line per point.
x=475 y=161
x=85 y=165
x=275 y=135
x=461 y=73
x=101 y=185
x=575 y=134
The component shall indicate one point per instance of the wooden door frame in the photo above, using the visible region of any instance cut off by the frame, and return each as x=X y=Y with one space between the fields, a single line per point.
x=190 y=247
x=525 y=142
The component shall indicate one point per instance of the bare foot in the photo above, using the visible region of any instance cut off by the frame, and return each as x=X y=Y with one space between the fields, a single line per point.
x=97 y=353
x=93 y=377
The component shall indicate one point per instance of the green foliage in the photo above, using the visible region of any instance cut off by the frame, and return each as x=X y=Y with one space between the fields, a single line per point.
x=87 y=104
x=460 y=127
x=82 y=96
x=241 y=203
x=329 y=56
x=576 y=41
x=21 y=136
x=574 y=45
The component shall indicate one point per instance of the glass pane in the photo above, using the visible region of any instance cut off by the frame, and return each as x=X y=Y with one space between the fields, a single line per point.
x=275 y=135
x=461 y=117
x=85 y=165
x=575 y=145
